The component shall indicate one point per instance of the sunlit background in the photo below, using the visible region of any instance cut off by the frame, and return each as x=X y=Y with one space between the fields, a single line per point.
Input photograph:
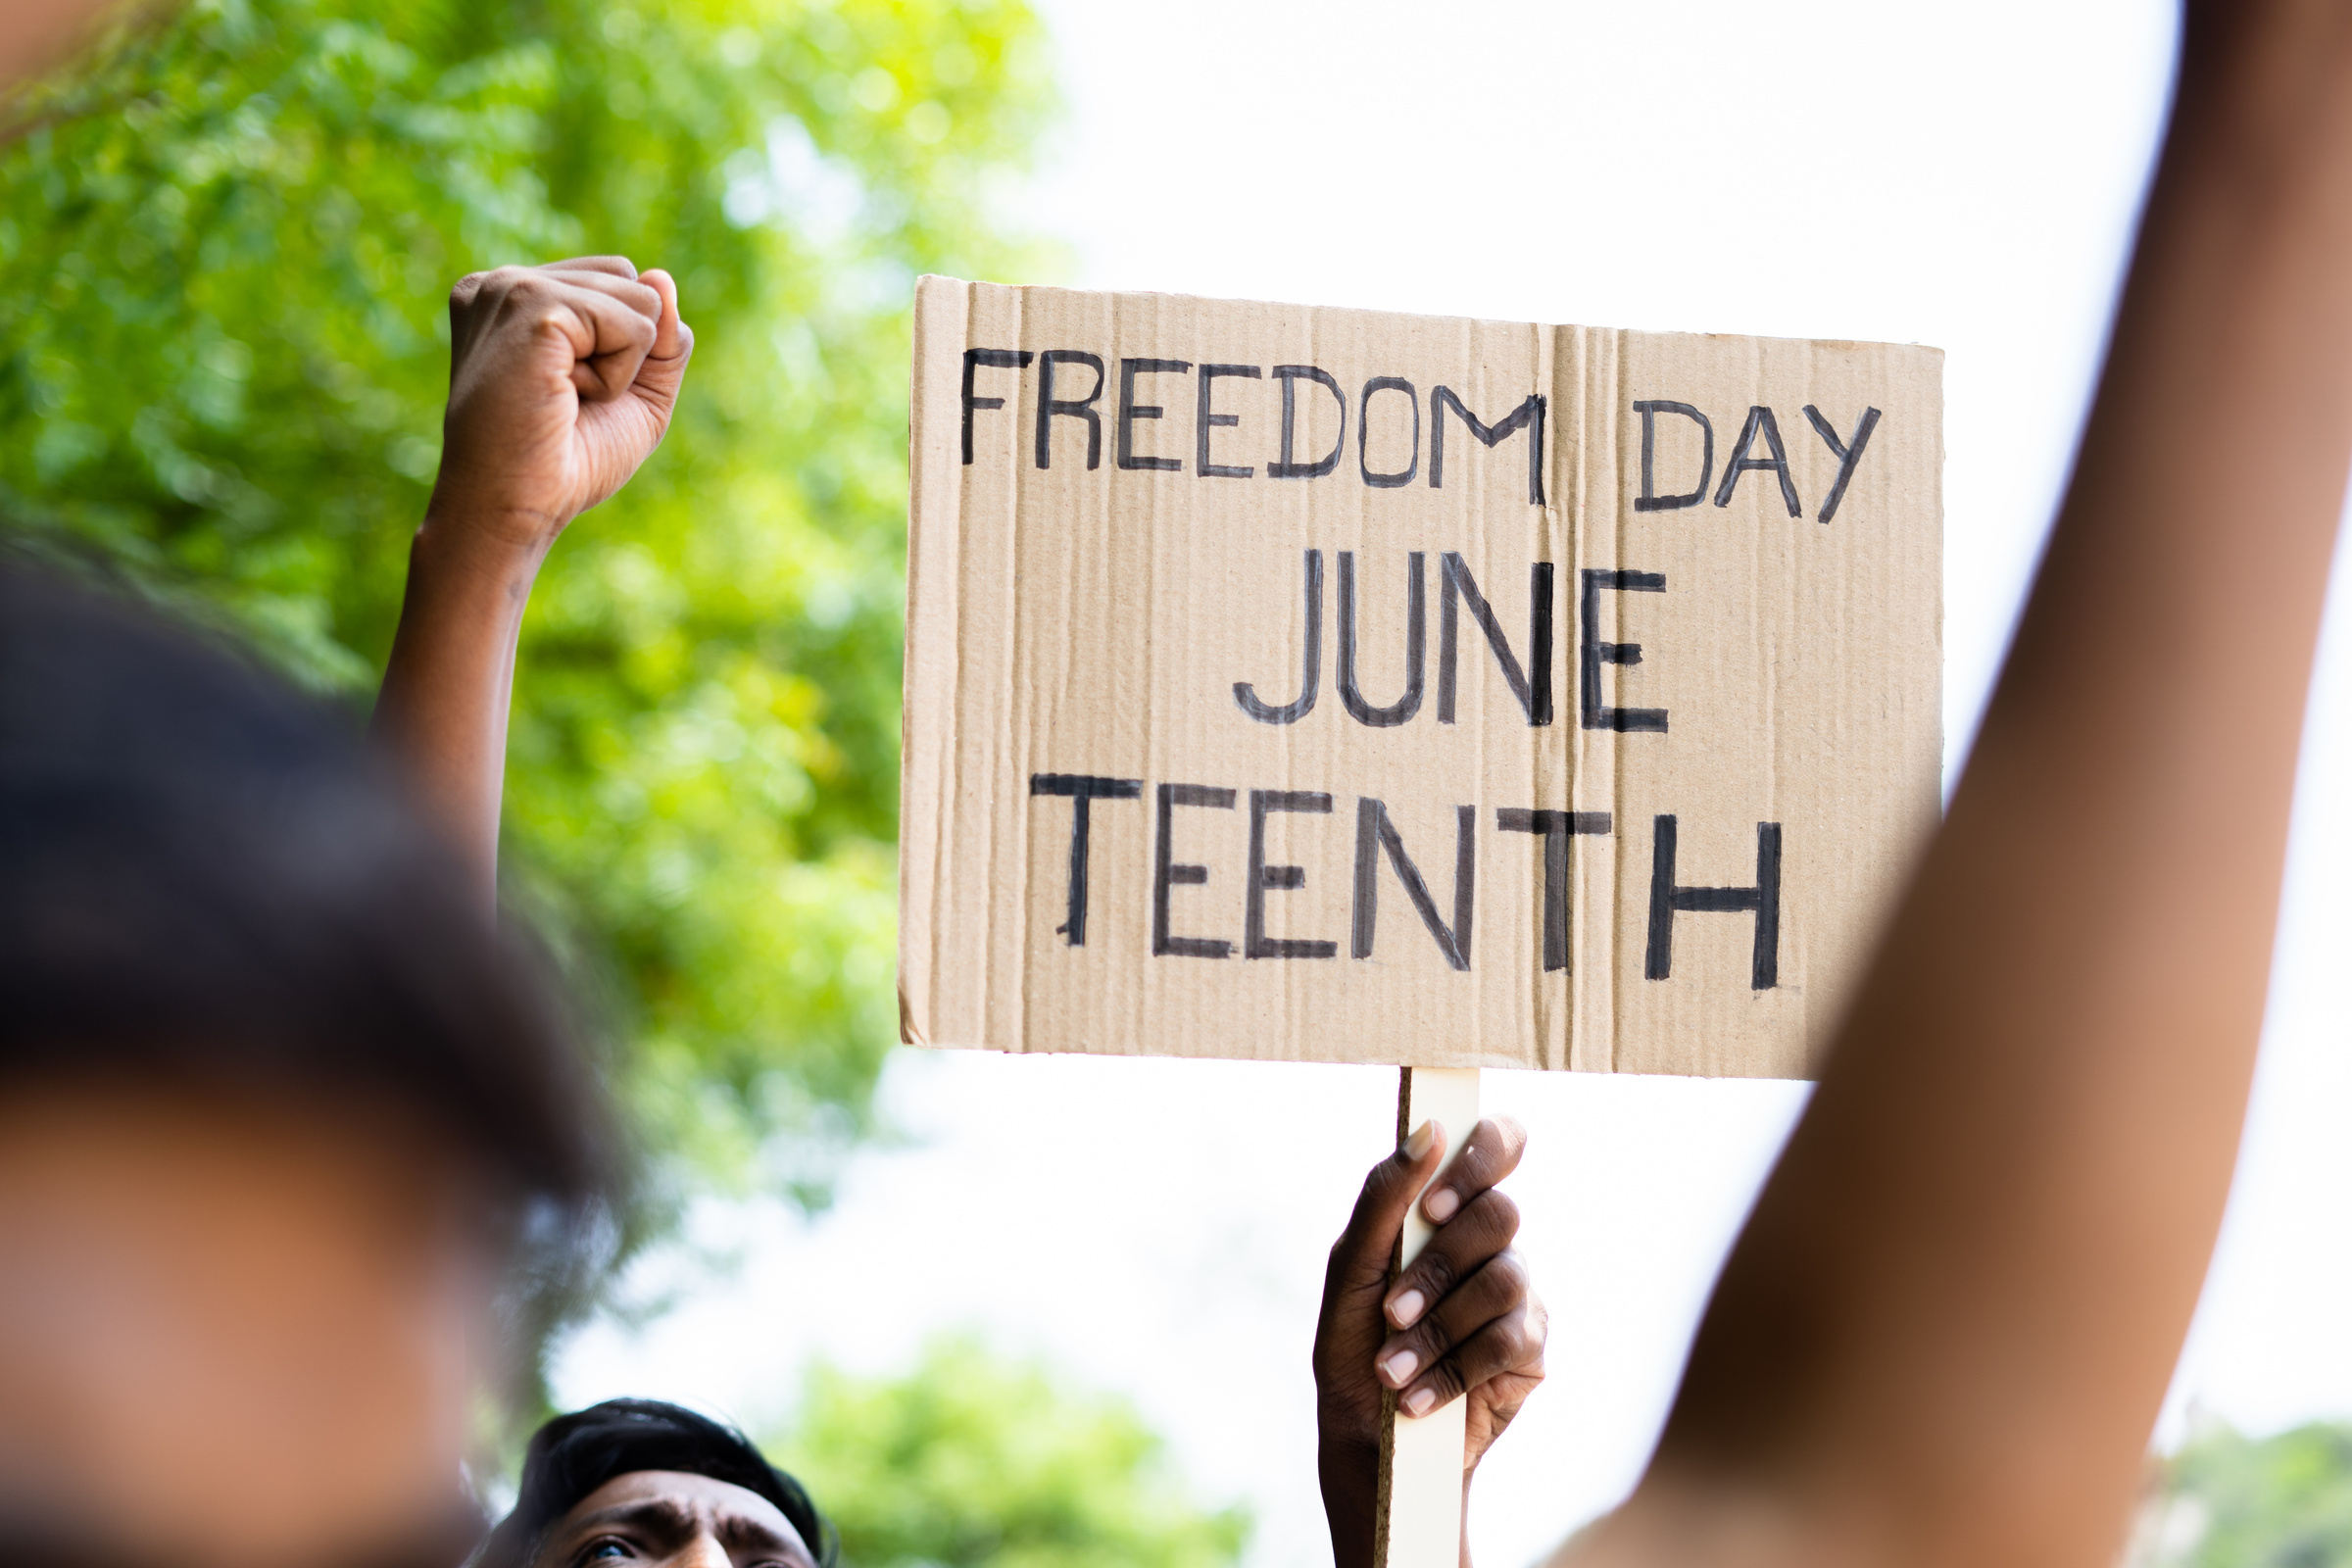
x=979 y=1284
x=1965 y=177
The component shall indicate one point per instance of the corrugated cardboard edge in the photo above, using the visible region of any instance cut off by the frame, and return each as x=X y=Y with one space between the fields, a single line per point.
x=942 y=307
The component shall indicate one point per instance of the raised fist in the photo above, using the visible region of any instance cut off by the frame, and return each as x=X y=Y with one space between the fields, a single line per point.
x=562 y=380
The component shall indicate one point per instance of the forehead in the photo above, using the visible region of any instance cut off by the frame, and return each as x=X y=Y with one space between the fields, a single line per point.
x=710 y=1499
x=254 y=1328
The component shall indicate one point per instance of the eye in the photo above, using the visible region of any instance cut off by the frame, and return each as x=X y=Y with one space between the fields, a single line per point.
x=605 y=1549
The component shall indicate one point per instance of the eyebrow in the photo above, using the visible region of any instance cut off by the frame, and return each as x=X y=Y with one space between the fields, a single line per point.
x=740 y=1530
x=663 y=1515
x=658 y=1513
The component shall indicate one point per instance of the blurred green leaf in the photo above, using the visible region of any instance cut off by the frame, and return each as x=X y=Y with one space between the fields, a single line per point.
x=974 y=1461
x=227 y=240
x=2234 y=1501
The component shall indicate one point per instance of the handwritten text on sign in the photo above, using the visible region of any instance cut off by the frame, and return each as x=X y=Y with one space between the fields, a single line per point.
x=1684 y=660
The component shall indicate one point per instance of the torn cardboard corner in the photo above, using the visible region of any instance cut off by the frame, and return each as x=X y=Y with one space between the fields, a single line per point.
x=1324 y=685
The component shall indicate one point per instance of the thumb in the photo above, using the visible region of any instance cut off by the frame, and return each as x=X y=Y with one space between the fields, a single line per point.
x=1361 y=1257
x=664 y=369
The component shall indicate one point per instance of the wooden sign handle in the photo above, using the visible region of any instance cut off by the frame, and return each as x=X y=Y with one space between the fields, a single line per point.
x=1420 y=1519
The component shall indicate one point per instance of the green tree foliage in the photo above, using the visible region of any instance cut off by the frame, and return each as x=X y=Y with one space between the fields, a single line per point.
x=2232 y=1501
x=972 y=1462
x=226 y=243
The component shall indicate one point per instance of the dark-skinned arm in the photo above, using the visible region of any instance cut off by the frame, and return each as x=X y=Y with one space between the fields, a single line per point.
x=561 y=381
x=1945 y=1334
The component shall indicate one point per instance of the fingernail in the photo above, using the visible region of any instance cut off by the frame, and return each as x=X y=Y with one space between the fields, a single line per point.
x=1417 y=1402
x=1406 y=1307
x=1400 y=1367
x=1423 y=1136
x=1440 y=1204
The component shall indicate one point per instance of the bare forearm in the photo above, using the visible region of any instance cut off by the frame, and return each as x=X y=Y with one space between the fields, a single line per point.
x=1953 y=1314
x=562 y=379
x=443 y=708
x=1349 y=1474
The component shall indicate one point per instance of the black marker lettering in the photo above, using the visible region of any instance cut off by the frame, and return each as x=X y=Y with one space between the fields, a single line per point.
x=1598 y=715
x=1209 y=420
x=1374 y=832
x=1048 y=406
x=1363 y=433
x=1310 y=671
x=1530 y=412
x=995 y=360
x=1650 y=499
x=1262 y=877
x=1557 y=828
x=1666 y=896
x=1415 y=646
x=1167 y=873
x=1289 y=376
x=1759 y=422
x=1082 y=790
x=1131 y=410
x=1533 y=685
x=1847 y=453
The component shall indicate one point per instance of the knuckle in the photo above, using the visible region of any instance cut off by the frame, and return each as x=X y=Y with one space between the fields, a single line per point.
x=1490 y=1223
x=1386 y=1177
x=1529 y=1332
x=1436 y=1273
x=1510 y=1276
x=1427 y=1340
x=1503 y=1212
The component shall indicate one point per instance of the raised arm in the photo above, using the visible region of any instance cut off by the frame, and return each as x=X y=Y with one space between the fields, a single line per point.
x=561 y=381
x=1947 y=1328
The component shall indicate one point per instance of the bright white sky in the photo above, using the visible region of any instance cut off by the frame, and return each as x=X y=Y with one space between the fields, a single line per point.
x=1964 y=176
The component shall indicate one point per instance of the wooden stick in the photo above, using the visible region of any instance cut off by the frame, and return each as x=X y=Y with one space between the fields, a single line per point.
x=1420 y=1519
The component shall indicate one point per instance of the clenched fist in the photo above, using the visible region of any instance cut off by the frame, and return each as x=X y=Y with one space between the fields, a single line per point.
x=562 y=380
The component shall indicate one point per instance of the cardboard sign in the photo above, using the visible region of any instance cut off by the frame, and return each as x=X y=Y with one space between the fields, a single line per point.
x=1325 y=685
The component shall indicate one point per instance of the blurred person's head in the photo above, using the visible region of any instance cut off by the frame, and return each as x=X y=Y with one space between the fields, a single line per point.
x=635 y=1480
x=279 y=1117
x=35 y=34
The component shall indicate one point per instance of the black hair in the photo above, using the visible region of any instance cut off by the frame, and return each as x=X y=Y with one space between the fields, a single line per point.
x=574 y=1454
x=207 y=878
